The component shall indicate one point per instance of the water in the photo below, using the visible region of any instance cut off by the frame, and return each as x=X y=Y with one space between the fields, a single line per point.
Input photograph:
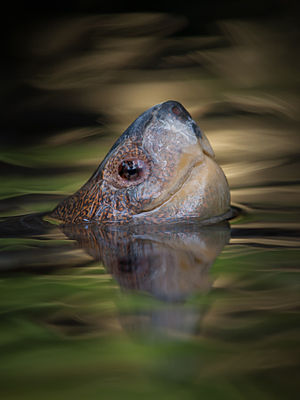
x=181 y=312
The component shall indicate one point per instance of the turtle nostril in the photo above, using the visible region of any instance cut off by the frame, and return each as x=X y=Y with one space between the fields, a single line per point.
x=176 y=110
x=180 y=112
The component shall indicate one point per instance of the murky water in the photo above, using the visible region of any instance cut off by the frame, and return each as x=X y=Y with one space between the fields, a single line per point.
x=172 y=312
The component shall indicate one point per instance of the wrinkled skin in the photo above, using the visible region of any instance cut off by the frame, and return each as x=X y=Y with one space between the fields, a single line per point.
x=161 y=169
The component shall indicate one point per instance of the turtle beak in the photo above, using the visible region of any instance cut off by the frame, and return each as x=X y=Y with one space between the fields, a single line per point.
x=207 y=149
x=176 y=111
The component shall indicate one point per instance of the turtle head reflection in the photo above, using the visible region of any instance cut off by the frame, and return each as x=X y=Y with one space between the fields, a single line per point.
x=169 y=262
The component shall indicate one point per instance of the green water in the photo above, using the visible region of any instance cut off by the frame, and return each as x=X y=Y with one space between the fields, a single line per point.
x=184 y=313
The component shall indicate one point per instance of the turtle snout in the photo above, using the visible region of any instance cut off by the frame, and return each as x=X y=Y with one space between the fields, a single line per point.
x=173 y=109
x=176 y=110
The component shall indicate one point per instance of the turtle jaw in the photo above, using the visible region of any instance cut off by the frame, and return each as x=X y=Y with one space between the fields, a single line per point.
x=202 y=192
x=187 y=159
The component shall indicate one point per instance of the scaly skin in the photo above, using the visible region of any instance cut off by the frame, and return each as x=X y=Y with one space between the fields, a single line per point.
x=160 y=170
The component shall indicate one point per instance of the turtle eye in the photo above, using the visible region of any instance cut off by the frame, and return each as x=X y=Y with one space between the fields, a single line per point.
x=132 y=170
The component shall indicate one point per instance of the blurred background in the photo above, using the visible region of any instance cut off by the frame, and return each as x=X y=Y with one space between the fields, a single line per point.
x=74 y=76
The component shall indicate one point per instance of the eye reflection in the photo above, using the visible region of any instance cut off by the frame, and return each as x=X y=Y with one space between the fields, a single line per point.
x=132 y=170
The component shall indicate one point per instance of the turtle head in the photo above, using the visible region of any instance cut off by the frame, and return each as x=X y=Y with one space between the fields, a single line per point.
x=161 y=169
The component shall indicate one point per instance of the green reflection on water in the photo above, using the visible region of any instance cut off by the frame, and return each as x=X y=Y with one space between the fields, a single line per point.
x=73 y=333
x=52 y=156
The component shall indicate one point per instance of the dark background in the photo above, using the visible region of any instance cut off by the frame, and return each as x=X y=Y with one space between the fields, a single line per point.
x=21 y=20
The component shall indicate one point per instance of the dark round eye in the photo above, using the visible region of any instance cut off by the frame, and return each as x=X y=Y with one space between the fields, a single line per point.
x=132 y=170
